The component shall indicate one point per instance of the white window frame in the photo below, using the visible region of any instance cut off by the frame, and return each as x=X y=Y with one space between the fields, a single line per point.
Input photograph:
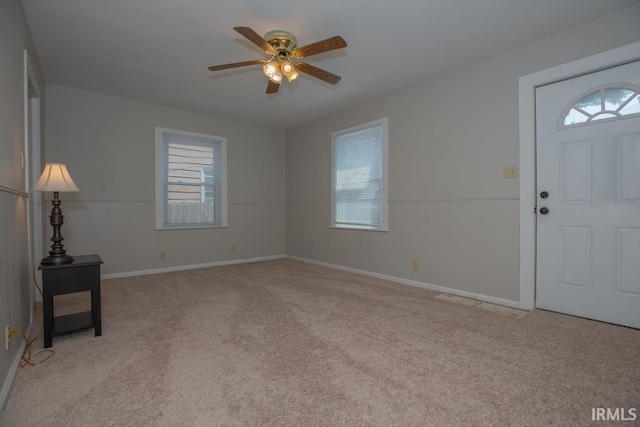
x=161 y=170
x=384 y=179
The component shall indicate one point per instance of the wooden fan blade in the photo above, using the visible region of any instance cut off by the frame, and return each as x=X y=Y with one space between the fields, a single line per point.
x=256 y=39
x=272 y=87
x=235 y=65
x=322 y=46
x=318 y=73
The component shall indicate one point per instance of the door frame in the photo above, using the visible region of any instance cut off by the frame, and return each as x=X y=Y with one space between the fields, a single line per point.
x=527 y=144
x=33 y=160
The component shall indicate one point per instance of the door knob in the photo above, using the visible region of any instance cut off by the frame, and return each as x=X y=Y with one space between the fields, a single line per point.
x=544 y=210
x=544 y=194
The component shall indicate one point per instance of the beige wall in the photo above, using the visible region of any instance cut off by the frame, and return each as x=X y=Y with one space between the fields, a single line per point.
x=108 y=145
x=15 y=282
x=449 y=138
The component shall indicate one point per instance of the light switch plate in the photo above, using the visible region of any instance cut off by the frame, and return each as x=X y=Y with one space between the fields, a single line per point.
x=510 y=171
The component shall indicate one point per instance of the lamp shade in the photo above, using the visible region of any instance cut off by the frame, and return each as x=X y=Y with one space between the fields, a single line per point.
x=55 y=177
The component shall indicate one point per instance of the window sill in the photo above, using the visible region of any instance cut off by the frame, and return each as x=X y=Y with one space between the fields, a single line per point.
x=359 y=228
x=190 y=227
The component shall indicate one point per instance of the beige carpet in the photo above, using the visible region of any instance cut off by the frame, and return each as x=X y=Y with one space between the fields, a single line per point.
x=286 y=343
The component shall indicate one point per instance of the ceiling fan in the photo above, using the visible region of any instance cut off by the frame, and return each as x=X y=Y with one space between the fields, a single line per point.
x=282 y=46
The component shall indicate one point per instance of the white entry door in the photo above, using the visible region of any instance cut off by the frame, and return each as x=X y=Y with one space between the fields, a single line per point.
x=588 y=196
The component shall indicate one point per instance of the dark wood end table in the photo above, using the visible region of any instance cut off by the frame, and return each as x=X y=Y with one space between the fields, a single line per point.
x=83 y=274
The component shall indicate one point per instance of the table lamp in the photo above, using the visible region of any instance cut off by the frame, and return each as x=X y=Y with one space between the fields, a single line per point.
x=56 y=178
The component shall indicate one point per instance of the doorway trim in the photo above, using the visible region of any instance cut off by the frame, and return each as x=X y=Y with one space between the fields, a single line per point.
x=32 y=164
x=527 y=144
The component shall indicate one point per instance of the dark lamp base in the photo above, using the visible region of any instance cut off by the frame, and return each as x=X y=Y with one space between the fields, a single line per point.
x=57 y=254
x=55 y=260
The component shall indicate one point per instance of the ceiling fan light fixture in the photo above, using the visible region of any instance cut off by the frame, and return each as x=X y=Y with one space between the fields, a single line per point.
x=289 y=70
x=282 y=46
x=293 y=75
x=287 y=67
x=277 y=76
x=270 y=69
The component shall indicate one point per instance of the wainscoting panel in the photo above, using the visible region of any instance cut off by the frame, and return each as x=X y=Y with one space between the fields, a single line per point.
x=123 y=233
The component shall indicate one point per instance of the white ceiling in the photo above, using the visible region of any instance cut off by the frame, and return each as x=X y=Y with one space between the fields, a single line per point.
x=158 y=50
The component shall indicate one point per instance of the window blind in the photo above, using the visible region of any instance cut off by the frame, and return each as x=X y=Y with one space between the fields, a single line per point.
x=191 y=179
x=358 y=174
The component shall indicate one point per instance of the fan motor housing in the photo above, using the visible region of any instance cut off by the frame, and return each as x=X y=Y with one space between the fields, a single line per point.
x=281 y=40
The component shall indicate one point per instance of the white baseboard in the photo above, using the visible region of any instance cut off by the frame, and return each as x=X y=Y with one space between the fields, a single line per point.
x=189 y=267
x=13 y=369
x=481 y=297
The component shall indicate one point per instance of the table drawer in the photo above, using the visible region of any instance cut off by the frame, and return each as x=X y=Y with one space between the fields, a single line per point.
x=69 y=280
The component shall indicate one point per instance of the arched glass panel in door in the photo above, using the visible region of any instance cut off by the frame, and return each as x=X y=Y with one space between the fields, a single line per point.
x=611 y=102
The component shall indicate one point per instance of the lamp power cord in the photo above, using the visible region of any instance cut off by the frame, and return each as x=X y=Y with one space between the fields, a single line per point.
x=28 y=358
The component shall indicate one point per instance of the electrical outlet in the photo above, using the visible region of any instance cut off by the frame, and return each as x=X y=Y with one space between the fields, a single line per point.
x=414 y=265
x=163 y=255
x=7 y=337
x=233 y=249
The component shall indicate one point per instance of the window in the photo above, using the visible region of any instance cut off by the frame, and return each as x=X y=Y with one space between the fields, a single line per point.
x=359 y=177
x=605 y=103
x=190 y=180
